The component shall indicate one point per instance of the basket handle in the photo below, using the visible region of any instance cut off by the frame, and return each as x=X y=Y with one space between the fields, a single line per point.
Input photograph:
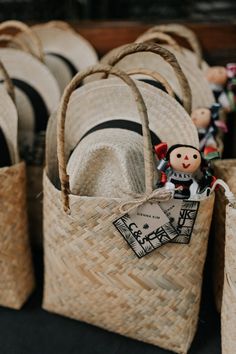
x=158 y=37
x=61 y=117
x=155 y=75
x=8 y=38
x=59 y=24
x=22 y=27
x=7 y=81
x=183 y=32
x=166 y=55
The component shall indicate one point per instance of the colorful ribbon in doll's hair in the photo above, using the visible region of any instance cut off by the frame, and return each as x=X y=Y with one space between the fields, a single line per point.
x=231 y=70
x=221 y=125
x=161 y=150
x=212 y=155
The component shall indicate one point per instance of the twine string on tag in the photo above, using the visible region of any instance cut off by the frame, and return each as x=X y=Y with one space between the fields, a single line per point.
x=158 y=195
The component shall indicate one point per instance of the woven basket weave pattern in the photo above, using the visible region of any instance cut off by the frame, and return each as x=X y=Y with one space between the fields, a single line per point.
x=226 y=170
x=90 y=272
x=228 y=313
x=93 y=275
x=16 y=275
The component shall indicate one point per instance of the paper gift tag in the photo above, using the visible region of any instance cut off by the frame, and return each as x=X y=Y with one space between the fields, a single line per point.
x=182 y=214
x=146 y=228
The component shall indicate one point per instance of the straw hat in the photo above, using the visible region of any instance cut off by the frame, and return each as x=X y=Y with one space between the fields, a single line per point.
x=195 y=54
x=139 y=55
x=36 y=92
x=24 y=36
x=103 y=136
x=66 y=52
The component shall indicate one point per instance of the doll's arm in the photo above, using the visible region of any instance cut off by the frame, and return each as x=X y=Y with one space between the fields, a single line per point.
x=193 y=188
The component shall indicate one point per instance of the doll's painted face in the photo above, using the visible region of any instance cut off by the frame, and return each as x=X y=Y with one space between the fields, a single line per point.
x=201 y=117
x=217 y=75
x=185 y=159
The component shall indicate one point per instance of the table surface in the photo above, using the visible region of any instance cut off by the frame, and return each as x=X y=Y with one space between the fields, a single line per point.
x=35 y=331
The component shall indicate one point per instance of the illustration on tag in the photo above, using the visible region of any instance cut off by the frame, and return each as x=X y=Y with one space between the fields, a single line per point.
x=182 y=214
x=146 y=228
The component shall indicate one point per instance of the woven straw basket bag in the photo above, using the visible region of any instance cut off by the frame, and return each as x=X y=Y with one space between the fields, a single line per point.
x=32 y=45
x=90 y=272
x=228 y=311
x=225 y=170
x=65 y=51
x=142 y=55
x=115 y=131
x=16 y=269
x=187 y=60
x=180 y=31
x=37 y=96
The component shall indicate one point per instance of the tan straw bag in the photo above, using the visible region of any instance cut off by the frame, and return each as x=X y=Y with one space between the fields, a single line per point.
x=24 y=35
x=142 y=55
x=228 y=311
x=92 y=275
x=66 y=51
x=183 y=32
x=225 y=170
x=36 y=96
x=14 y=42
x=16 y=269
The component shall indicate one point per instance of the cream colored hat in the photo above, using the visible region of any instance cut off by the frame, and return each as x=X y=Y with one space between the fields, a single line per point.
x=195 y=54
x=24 y=37
x=141 y=55
x=66 y=52
x=8 y=123
x=36 y=92
x=103 y=141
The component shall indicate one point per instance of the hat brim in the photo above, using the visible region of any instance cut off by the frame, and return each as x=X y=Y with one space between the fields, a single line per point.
x=202 y=95
x=34 y=77
x=25 y=67
x=68 y=44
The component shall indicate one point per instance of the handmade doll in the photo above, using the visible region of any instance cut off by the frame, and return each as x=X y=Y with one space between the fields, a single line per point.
x=207 y=123
x=178 y=165
x=217 y=77
x=231 y=85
